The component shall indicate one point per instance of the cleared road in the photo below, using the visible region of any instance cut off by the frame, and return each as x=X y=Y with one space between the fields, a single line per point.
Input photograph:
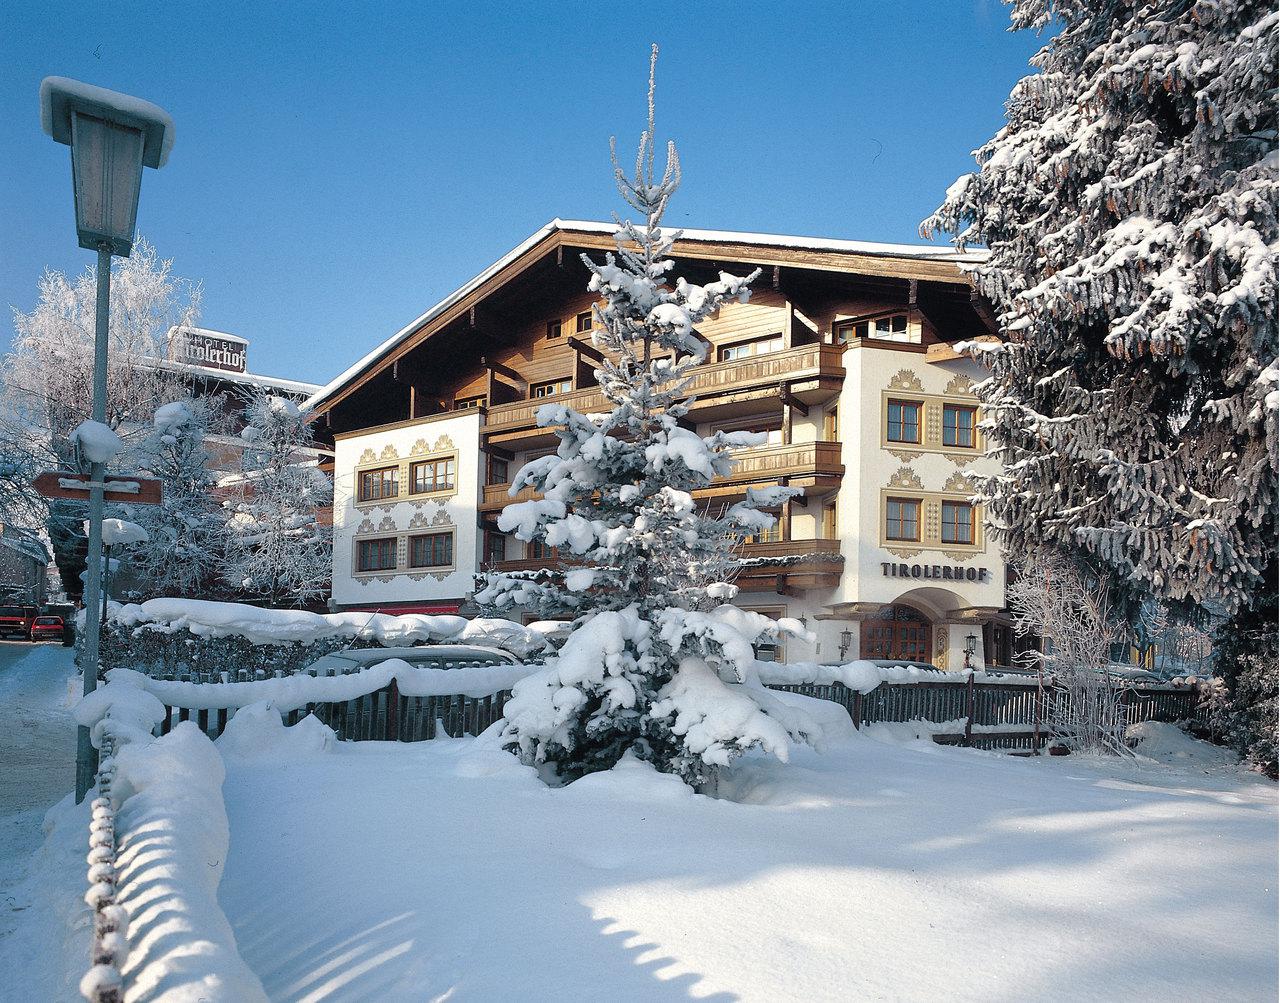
x=37 y=755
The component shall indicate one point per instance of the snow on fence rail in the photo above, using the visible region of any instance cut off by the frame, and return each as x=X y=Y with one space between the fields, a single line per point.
x=158 y=837
x=391 y=701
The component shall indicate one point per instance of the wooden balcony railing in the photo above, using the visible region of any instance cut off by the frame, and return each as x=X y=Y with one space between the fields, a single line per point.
x=797 y=459
x=816 y=460
x=778 y=549
x=807 y=362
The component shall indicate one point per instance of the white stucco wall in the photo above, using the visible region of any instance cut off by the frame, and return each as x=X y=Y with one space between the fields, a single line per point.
x=455 y=433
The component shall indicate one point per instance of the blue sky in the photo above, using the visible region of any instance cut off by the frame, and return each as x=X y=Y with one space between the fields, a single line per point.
x=340 y=167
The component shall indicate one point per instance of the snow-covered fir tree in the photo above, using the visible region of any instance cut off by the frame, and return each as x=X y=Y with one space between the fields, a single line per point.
x=187 y=530
x=277 y=550
x=657 y=663
x=1129 y=206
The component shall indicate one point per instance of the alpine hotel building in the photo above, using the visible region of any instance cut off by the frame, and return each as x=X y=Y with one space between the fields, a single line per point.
x=843 y=357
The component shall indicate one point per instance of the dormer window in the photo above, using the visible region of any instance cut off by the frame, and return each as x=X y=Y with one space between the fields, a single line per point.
x=893 y=327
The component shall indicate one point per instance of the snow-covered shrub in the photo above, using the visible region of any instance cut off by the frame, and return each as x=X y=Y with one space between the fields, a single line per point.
x=657 y=663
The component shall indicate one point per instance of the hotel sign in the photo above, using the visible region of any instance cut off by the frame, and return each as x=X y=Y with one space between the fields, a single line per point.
x=196 y=347
x=934 y=572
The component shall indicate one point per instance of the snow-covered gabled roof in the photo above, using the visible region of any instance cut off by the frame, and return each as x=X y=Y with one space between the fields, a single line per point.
x=918 y=252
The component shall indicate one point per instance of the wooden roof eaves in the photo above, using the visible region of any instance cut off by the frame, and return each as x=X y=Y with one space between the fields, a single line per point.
x=556 y=235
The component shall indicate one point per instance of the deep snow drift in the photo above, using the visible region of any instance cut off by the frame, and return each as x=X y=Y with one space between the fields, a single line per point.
x=880 y=869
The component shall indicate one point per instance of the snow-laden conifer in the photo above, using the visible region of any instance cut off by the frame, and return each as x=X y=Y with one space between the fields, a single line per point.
x=1129 y=205
x=657 y=661
x=276 y=547
x=186 y=531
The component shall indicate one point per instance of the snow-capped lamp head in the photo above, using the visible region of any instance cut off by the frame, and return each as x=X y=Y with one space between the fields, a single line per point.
x=112 y=137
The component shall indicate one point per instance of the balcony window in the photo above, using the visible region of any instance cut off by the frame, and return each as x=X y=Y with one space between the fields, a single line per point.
x=467 y=403
x=551 y=388
x=902 y=519
x=376 y=555
x=583 y=322
x=748 y=349
x=829 y=528
x=554 y=328
x=831 y=425
x=771 y=535
x=378 y=485
x=957 y=522
x=767 y=427
x=431 y=550
x=891 y=328
x=499 y=471
x=904 y=421
x=539 y=550
x=433 y=475
x=957 y=425
x=495 y=548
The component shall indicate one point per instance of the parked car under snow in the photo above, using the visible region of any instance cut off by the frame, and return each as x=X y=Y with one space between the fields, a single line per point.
x=431 y=656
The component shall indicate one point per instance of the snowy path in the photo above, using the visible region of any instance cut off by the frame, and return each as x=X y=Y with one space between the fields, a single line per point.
x=37 y=756
x=876 y=871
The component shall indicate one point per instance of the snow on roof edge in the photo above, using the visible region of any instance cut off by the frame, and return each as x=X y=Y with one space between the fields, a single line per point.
x=920 y=252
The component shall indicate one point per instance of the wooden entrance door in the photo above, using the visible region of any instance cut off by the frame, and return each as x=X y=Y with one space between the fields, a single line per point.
x=898 y=632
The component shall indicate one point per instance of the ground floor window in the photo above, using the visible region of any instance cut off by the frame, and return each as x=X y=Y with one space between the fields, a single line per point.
x=376 y=555
x=898 y=632
x=431 y=550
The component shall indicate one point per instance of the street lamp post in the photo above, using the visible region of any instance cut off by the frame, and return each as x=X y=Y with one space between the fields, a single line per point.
x=112 y=137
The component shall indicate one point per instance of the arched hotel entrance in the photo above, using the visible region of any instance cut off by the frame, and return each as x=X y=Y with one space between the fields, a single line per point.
x=898 y=631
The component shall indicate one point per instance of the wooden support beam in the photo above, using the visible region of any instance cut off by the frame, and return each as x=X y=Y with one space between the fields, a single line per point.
x=560 y=255
x=913 y=292
x=983 y=309
x=780 y=586
x=584 y=348
x=777 y=278
x=497 y=367
x=790 y=402
x=497 y=451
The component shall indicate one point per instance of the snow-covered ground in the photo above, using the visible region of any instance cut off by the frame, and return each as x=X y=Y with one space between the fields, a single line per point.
x=886 y=868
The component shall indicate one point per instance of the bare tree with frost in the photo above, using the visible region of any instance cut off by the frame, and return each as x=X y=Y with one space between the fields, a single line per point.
x=276 y=548
x=657 y=664
x=46 y=383
x=1071 y=610
x=1129 y=204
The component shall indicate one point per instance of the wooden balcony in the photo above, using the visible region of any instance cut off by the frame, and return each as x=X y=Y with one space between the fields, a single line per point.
x=814 y=466
x=776 y=566
x=812 y=373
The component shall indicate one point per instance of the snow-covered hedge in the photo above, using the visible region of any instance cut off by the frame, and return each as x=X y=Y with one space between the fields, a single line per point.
x=217 y=639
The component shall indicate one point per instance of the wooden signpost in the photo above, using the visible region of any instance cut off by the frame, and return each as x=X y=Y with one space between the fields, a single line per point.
x=69 y=484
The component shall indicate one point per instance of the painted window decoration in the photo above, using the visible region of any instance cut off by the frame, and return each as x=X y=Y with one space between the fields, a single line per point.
x=957 y=522
x=378 y=485
x=551 y=388
x=957 y=425
x=376 y=555
x=902 y=519
x=582 y=323
x=433 y=475
x=747 y=349
x=554 y=327
x=468 y=403
x=431 y=550
x=904 y=421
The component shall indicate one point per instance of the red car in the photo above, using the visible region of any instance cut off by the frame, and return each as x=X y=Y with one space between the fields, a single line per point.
x=17 y=620
x=47 y=628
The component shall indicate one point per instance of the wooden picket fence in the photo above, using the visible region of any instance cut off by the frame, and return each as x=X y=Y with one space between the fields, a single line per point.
x=1008 y=714
x=1016 y=708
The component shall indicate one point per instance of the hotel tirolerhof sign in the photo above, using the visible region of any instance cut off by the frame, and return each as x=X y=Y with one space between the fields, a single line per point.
x=194 y=346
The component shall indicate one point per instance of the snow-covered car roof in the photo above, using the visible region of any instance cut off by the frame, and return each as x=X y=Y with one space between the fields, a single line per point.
x=420 y=653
